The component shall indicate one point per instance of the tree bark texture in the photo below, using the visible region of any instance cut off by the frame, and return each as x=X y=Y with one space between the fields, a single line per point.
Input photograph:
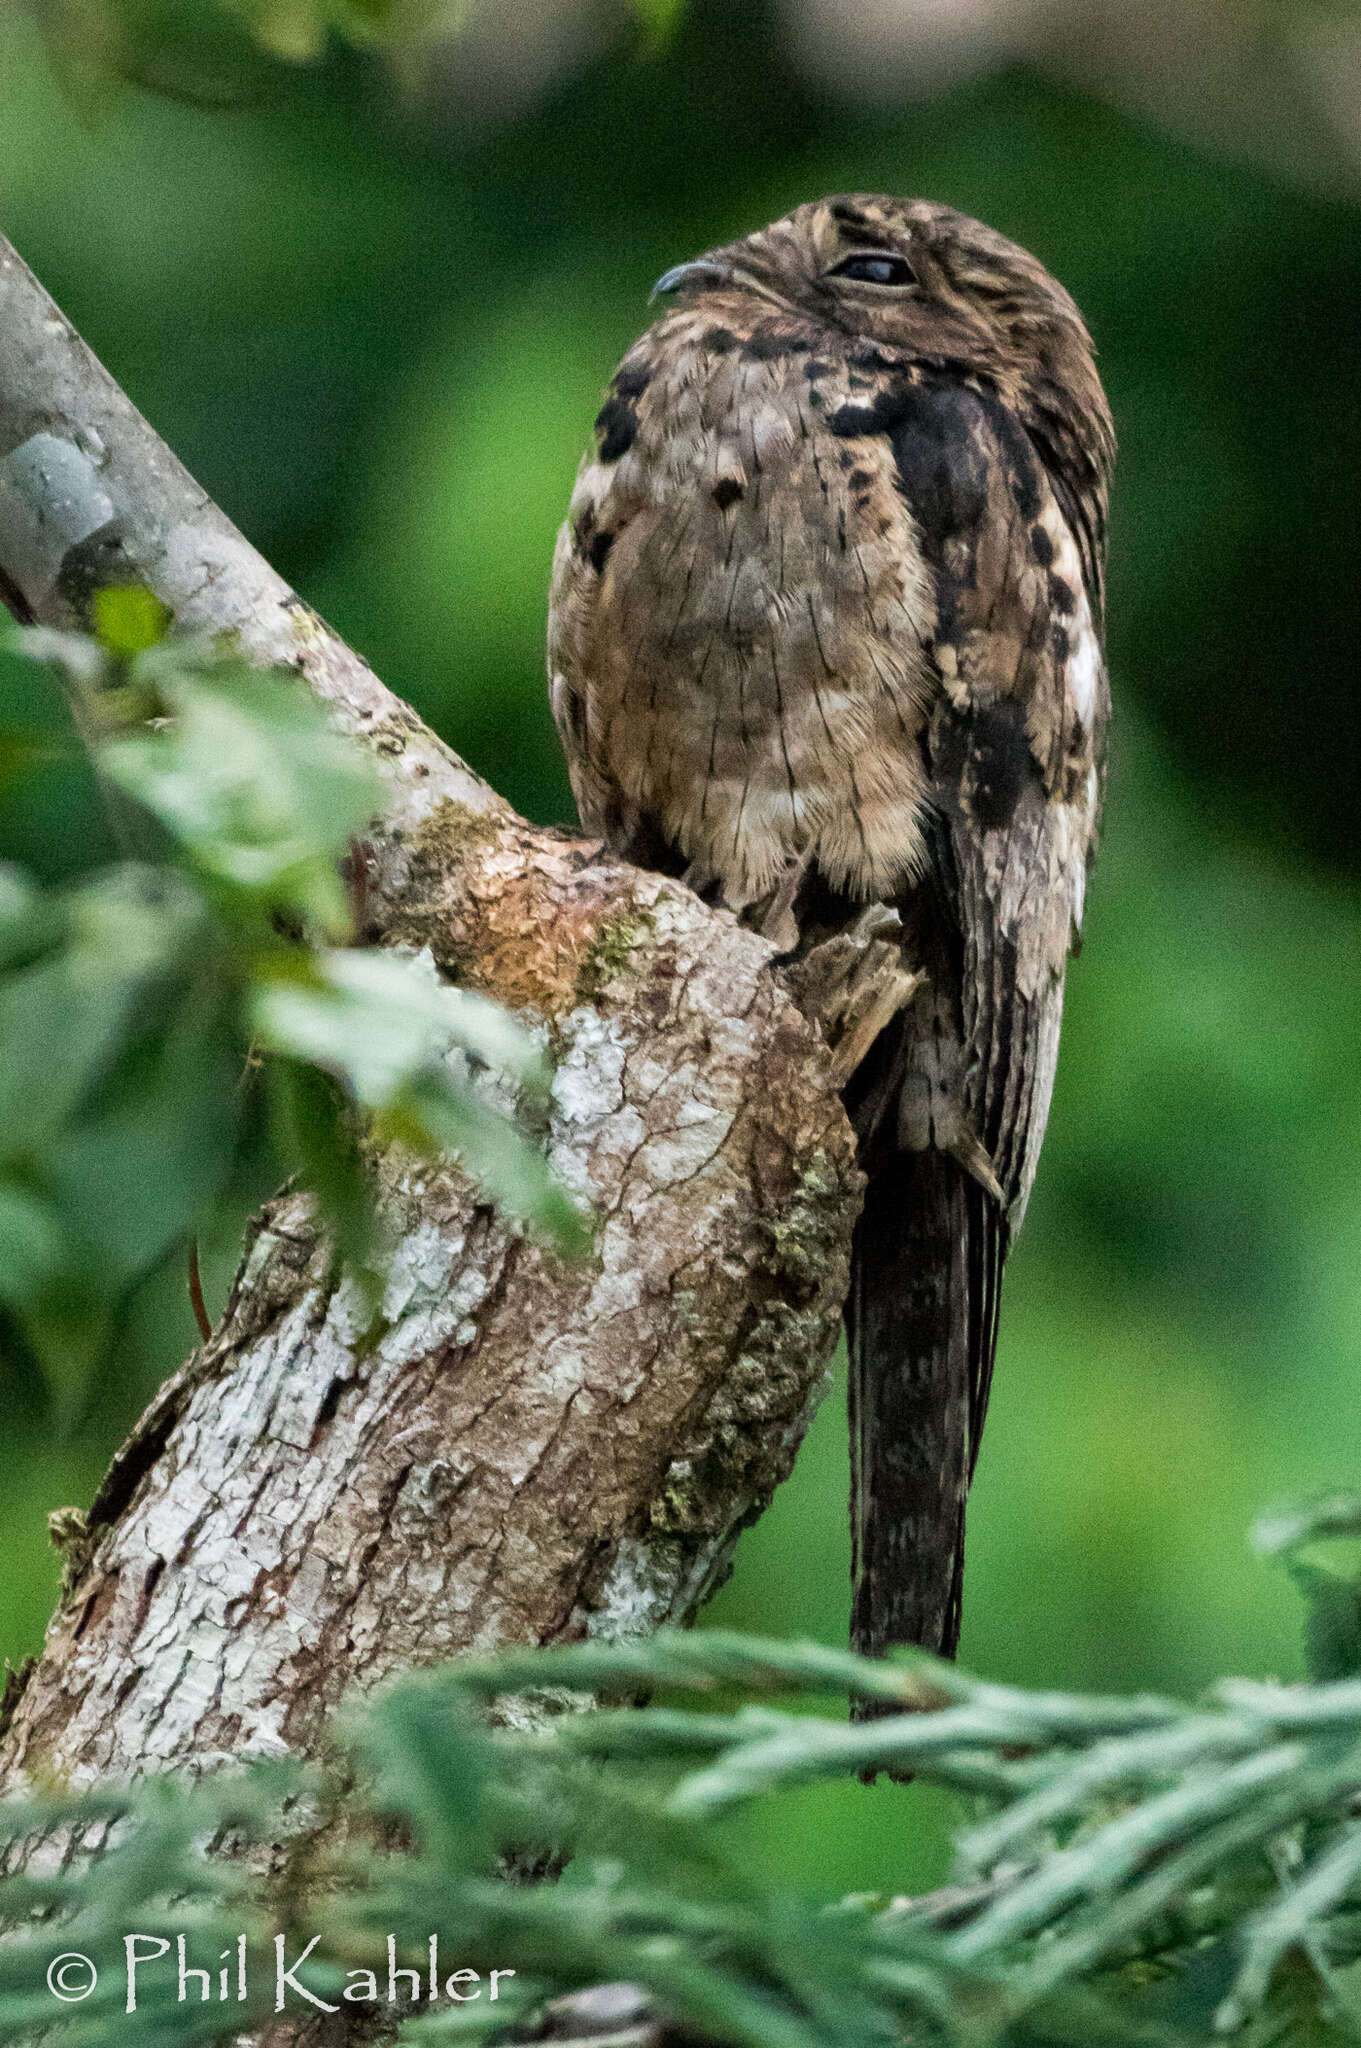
x=530 y=1450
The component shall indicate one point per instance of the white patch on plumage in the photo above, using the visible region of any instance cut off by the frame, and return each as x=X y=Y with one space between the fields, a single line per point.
x=1083 y=673
x=1084 y=668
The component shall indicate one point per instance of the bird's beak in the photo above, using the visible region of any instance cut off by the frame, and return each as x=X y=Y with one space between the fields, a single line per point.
x=703 y=270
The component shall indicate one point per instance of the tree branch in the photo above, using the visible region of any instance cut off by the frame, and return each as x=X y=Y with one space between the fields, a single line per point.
x=529 y=1451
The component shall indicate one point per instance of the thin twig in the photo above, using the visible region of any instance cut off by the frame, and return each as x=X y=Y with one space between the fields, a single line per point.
x=196 y=1302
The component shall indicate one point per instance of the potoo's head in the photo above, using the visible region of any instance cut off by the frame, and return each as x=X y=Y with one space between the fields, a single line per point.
x=909 y=275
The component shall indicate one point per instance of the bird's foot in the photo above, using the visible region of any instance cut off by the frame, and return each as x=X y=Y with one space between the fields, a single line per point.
x=854 y=984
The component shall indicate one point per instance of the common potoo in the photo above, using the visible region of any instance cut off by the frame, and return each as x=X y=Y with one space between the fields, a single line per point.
x=826 y=640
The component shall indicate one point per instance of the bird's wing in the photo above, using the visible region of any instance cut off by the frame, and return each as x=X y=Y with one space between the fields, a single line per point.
x=952 y=1105
x=1015 y=747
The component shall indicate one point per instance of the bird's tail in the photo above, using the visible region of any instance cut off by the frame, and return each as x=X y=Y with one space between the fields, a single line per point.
x=922 y=1326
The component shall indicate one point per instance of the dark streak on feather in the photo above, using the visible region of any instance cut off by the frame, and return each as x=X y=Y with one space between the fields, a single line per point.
x=617 y=425
x=630 y=380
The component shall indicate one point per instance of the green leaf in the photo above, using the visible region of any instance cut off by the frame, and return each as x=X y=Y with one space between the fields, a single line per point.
x=385 y=1027
x=297 y=30
x=294 y=30
x=29 y=922
x=121 y=1180
x=432 y=1115
x=103 y=952
x=380 y=1022
x=32 y=1244
x=1287 y=1530
x=128 y=619
x=118 y=1100
x=432 y=1762
x=315 y=1136
x=253 y=782
x=660 y=21
x=1332 y=1624
x=22 y=751
x=133 y=1175
x=1332 y=1627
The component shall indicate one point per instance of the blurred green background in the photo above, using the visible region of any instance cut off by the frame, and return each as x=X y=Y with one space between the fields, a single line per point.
x=373 y=310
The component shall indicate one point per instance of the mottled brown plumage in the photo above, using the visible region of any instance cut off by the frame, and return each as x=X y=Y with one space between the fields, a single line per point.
x=825 y=635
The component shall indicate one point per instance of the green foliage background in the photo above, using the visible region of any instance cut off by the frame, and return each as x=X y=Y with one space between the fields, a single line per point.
x=377 y=336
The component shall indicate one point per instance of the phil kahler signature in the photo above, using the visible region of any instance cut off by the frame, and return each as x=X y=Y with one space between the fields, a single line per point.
x=150 y=1962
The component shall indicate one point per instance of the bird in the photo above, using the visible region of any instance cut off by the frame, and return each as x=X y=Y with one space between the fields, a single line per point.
x=826 y=641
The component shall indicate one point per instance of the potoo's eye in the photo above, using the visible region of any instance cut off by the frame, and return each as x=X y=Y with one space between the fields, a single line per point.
x=875 y=266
